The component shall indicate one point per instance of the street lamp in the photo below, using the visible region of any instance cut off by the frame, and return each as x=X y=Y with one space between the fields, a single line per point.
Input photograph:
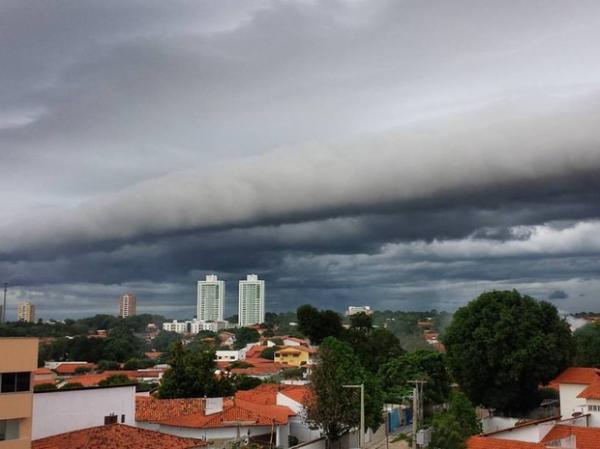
x=361 y=436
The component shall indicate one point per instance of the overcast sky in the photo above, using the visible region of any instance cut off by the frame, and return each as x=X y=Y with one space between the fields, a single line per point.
x=402 y=154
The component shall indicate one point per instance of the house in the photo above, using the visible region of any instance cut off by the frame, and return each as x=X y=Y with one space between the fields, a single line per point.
x=260 y=368
x=542 y=434
x=67 y=369
x=226 y=338
x=116 y=436
x=230 y=355
x=60 y=411
x=579 y=392
x=43 y=376
x=220 y=420
x=295 y=355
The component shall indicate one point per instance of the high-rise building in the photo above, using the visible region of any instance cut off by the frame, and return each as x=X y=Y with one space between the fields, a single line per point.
x=127 y=305
x=251 y=301
x=211 y=298
x=18 y=358
x=26 y=312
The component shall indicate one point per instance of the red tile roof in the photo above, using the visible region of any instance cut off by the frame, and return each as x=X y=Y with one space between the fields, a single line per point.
x=254 y=351
x=585 y=437
x=591 y=392
x=240 y=412
x=116 y=436
x=153 y=354
x=260 y=367
x=578 y=375
x=151 y=409
x=265 y=394
x=299 y=393
x=90 y=380
x=297 y=348
x=42 y=371
x=69 y=368
x=481 y=442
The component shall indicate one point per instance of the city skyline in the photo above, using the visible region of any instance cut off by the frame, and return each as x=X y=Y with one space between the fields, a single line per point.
x=410 y=153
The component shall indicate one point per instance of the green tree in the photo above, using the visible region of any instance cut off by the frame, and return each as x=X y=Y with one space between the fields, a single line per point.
x=108 y=365
x=116 y=379
x=246 y=382
x=503 y=345
x=72 y=386
x=245 y=335
x=361 y=321
x=318 y=325
x=587 y=344
x=374 y=347
x=192 y=375
x=335 y=409
x=269 y=353
x=452 y=428
x=165 y=340
x=424 y=365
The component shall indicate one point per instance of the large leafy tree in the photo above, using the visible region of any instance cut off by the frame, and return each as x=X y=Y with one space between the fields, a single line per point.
x=426 y=365
x=452 y=428
x=587 y=343
x=245 y=335
x=192 y=374
x=318 y=324
x=334 y=408
x=503 y=345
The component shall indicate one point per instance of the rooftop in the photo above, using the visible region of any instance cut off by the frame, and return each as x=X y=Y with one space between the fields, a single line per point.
x=116 y=436
x=150 y=409
x=578 y=375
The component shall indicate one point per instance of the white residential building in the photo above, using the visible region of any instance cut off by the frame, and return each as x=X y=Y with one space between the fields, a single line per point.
x=195 y=326
x=251 y=308
x=358 y=309
x=127 y=305
x=211 y=298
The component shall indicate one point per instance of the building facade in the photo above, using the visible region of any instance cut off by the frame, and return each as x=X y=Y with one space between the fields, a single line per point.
x=211 y=298
x=353 y=310
x=127 y=305
x=26 y=312
x=194 y=326
x=18 y=359
x=251 y=309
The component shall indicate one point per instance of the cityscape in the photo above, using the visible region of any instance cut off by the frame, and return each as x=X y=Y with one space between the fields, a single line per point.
x=324 y=224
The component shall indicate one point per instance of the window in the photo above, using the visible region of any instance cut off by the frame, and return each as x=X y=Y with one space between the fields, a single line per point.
x=111 y=419
x=14 y=382
x=122 y=419
x=593 y=408
x=9 y=429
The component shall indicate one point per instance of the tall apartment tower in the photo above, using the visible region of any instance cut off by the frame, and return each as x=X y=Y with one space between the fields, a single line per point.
x=252 y=301
x=127 y=305
x=26 y=312
x=211 y=298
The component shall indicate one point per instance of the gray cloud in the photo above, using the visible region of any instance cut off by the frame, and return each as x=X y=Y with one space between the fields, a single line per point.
x=452 y=146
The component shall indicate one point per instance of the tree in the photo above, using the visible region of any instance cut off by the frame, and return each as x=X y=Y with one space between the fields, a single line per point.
x=424 y=365
x=318 y=325
x=192 y=375
x=108 y=365
x=503 y=345
x=165 y=340
x=587 y=344
x=452 y=428
x=361 y=321
x=245 y=335
x=246 y=382
x=269 y=353
x=116 y=379
x=72 y=386
x=335 y=409
x=374 y=347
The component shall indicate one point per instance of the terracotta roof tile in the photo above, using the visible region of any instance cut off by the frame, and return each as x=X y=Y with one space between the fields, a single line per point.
x=69 y=368
x=116 y=436
x=481 y=442
x=585 y=437
x=578 y=375
x=591 y=392
x=151 y=409
x=42 y=371
x=298 y=393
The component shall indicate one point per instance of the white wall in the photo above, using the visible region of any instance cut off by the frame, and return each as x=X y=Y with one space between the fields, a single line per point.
x=57 y=412
x=569 y=402
x=533 y=433
x=220 y=433
x=594 y=415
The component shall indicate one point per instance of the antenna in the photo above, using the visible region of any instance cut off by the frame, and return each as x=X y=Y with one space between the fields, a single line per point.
x=4 y=304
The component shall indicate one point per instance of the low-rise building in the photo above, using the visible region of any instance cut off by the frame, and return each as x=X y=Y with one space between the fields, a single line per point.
x=18 y=359
x=579 y=392
x=352 y=310
x=295 y=355
x=195 y=326
x=60 y=411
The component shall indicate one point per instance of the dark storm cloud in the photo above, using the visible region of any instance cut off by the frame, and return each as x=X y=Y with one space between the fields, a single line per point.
x=558 y=294
x=400 y=153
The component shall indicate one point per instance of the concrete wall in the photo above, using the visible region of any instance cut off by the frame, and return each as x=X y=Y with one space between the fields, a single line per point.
x=59 y=411
x=216 y=434
x=532 y=434
x=569 y=402
x=594 y=420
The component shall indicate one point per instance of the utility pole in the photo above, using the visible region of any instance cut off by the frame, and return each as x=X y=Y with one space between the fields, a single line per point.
x=4 y=304
x=361 y=436
x=417 y=408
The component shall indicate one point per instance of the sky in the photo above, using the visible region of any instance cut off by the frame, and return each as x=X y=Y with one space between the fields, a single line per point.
x=403 y=154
